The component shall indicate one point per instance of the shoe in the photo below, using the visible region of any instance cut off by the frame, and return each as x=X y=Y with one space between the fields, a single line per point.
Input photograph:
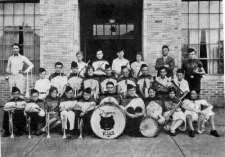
x=192 y=133
x=6 y=134
x=214 y=133
x=38 y=133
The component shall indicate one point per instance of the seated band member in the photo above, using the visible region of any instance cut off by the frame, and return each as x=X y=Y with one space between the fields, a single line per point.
x=119 y=62
x=194 y=112
x=144 y=81
x=58 y=79
x=180 y=82
x=173 y=113
x=124 y=80
x=67 y=114
x=154 y=107
x=43 y=84
x=18 y=118
x=99 y=64
x=35 y=111
x=81 y=64
x=109 y=77
x=75 y=81
x=52 y=102
x=136 y=66
x=165 y=61
x=91 y=81
x=110 y=95
x=86 y=105
x=162 y=83
x=134 y=108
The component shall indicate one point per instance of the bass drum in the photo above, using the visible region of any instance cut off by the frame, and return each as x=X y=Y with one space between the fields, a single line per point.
x=149 y=127
x=108 y=121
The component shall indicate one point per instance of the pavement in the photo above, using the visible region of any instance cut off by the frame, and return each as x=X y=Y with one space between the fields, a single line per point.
x=163 y=145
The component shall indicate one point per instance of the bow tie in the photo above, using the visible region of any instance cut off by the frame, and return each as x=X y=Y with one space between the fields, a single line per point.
x=15 y=55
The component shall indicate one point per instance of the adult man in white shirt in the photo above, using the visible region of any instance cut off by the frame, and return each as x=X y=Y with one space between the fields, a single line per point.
x=15 y=68
x=119 y=62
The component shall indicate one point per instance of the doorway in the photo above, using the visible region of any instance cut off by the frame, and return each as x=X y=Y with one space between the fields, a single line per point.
x=109 y=25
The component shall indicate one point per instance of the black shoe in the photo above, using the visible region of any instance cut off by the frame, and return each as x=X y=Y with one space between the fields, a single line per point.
x=38 y=133
x=214 y=133
x=6 y=134
x=19 y=133
x=192 y=133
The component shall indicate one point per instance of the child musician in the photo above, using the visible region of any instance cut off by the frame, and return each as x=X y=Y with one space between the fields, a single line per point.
x=91 y=81
x=75 y=80
x=154 y=107
x=109 y=77
x=58 y=79
x=86 y=105
x=194 y=112
x=67 y=114
x=124 y=80
x=99 y=64
x=177 y=118
x=144 y=81
x=43 y=84
x=52 y=108
x=18 y=118
x=35 y=111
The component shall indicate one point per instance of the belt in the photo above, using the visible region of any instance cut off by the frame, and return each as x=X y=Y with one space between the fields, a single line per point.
x=42 y=92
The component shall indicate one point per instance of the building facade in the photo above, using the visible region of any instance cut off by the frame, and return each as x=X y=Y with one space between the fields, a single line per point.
x=54 y=30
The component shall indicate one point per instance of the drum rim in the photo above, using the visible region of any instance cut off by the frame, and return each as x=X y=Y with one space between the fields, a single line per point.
x=149 y=117
x=124 y=115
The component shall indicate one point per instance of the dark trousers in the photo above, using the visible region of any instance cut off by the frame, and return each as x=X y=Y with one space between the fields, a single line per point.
x=19 y=121
x=195 y=84
x=37 y=122
x=132 y=126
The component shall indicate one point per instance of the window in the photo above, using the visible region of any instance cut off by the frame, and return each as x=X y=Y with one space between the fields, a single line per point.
x=203 y=25
x=19 y=23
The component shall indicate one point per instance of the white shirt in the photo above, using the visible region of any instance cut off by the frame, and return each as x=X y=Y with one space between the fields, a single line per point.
x=81 y=66
x=16 y=63
x=195 y=105
x=166 y=81
x=135 y=66
x=183 y=85
x=118 y=63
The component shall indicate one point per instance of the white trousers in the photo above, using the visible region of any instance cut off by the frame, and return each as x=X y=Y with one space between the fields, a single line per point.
x=17 y=80
x=68 y=116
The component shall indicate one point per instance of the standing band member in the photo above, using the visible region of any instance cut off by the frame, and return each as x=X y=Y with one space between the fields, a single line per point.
x=165 y=61
x=43 y=84
x=15 y=68
x=193 y=70
x=99 y=64
x=17 y=115
x=194 y=112
x=136 y=66
x=58 y=79
x=109 y=77
x=144 y=81
x=81 y=64
x=75 y=81
x=119 y=62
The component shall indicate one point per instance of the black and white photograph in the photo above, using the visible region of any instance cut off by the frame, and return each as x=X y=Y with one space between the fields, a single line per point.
x=112 y=78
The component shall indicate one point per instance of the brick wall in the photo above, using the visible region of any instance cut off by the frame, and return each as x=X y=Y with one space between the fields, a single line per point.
x=60 y=38
x=161 y=25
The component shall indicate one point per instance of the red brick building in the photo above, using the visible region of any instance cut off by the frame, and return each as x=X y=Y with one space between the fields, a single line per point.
x=54 y=30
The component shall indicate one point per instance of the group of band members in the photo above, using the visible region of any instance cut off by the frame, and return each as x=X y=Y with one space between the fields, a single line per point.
x=170 y=99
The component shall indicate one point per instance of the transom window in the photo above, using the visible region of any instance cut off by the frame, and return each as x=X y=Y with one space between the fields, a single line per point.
x=203 y=27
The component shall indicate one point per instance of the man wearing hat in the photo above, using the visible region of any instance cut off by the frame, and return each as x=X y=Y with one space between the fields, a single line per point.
x=193 y=70
x=15 y=68
x=165 y=61
x=109 y=77
x=75 y=80
x=19 y=120
x=144 y=81
x=119 y=62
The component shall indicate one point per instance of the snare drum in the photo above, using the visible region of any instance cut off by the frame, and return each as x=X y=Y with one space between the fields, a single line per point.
x=108 y=121
x=149 y=127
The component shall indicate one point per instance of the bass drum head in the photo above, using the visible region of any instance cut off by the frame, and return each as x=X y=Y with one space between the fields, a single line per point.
x=149 y=127
x=108 y=121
